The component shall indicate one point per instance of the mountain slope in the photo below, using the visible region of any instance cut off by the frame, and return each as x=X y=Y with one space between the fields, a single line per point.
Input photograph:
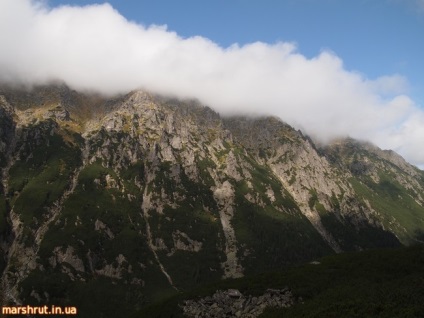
x=374 y=283
x=153 y=195
x=385 y=181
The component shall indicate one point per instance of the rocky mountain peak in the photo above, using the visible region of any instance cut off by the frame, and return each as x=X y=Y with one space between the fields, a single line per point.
x=149 y=194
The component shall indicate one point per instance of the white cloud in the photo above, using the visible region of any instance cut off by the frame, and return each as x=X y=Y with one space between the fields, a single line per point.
x=94 y=47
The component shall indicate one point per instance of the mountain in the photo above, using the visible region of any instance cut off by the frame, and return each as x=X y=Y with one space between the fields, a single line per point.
x=111 y=203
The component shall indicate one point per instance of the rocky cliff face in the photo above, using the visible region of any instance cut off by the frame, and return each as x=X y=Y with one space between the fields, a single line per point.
x=149 y=195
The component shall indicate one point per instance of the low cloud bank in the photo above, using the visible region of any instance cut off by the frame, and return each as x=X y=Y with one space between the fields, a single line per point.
x=95 y=48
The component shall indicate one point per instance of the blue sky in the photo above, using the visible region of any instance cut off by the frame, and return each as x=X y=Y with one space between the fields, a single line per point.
x=332 y=68
x=373 y=37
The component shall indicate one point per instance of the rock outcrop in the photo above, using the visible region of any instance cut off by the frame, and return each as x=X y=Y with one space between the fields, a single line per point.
x=231 y=303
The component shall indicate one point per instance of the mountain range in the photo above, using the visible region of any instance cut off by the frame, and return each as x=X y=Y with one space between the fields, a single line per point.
x=117 y=201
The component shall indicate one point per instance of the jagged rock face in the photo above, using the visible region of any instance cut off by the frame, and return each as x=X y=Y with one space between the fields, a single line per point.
x=321 y=189
x=149 y=195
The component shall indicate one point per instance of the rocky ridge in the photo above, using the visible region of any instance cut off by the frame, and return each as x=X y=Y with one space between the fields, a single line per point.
x=150 y=194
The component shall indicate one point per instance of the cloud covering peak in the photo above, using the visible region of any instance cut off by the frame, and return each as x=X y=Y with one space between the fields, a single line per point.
x=96 y=48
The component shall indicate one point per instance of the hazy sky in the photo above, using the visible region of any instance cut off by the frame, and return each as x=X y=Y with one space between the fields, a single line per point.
x=330 y=67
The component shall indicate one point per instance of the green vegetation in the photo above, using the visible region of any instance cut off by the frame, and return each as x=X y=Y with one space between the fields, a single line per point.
x=91 y=202
x=393 y=202
x=95 y=297
x=41 y=179
x=274 y=239
x=313 y=198
x=164 y=180
x=351 y=234
x=277 y=234
x=203 y=165
x=100 y=224
x=197 y=216
x=374 y=283
x=350 y=237
x=376 y=180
